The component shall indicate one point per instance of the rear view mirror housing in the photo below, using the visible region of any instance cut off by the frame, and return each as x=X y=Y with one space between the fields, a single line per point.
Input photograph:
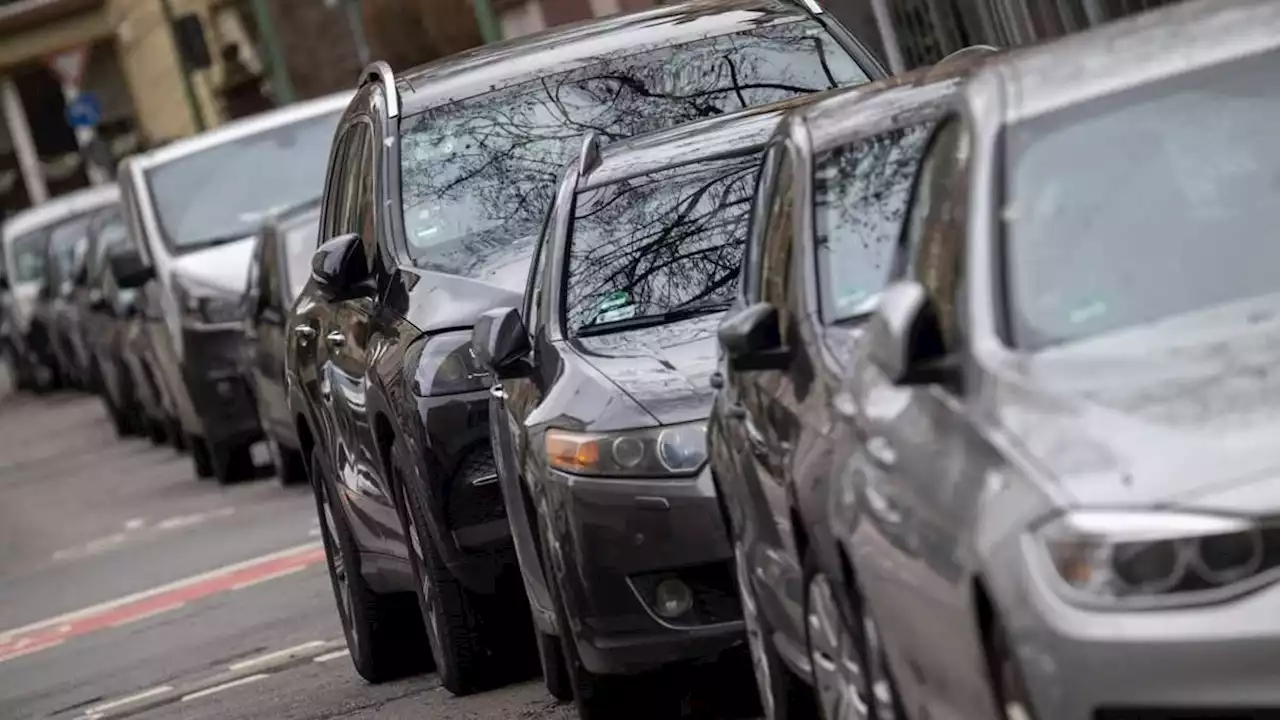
x=501 y=343
x=751 y=339
x=904 y=338
x=129 y=268
x=339 y=266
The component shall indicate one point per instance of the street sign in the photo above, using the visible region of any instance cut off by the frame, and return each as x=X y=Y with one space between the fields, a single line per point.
x=85 y=111
x=69 y=66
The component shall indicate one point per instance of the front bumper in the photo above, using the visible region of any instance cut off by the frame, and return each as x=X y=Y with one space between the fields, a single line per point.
x=1215 y=662
x=612 y=541
x=225 y=411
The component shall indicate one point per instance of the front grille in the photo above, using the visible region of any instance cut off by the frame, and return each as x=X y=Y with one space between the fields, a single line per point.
x=475 y=496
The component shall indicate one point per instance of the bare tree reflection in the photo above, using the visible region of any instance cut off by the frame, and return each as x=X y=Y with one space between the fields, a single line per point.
x=479 y=173
x=659 y=242
x=861 y=193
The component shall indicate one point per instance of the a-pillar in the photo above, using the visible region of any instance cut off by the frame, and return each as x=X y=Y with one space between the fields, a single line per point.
x=24 y=146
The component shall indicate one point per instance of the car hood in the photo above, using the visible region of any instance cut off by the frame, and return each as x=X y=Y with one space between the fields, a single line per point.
x=666 y=369
x=441 y=300
x=1184 y=411
x=221 y=267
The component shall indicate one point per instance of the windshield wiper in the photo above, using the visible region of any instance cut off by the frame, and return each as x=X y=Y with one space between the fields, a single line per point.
x=645 y=321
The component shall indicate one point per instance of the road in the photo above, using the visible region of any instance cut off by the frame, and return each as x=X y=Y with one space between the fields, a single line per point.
x=129 y=588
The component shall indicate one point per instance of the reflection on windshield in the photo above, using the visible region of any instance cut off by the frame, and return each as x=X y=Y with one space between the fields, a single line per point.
x=1116 y=216
x=478 y=174
x=228 y=190
x=29 y=252
x=860 y=196
x=658 y=243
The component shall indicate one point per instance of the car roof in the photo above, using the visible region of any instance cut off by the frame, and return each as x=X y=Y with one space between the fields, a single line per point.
x=498 y=65
x=737 y=133
x=852 y=113
x=60 y=208
x=1136 y=51
x=242 y=128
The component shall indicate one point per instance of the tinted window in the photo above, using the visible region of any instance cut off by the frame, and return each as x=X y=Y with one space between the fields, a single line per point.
x=29 y=253
x=299 y=246
x=664 y=242
x=860 y=196
x=477 y=174
x=226 y=191
x=1145 y=204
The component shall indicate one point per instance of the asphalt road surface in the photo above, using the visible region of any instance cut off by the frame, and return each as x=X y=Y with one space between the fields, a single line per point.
x=128 y=588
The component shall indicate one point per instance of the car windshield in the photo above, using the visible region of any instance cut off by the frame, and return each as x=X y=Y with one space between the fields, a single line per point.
x=225 y=192
x=29 y=254
x=860 y=196
x=1116 y=215
x=477 y=174
x=299 y=246
x=659 y=247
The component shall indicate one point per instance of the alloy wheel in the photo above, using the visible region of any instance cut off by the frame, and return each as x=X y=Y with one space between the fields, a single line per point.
x=338 y=567
x=840 y=679
x=430 y=600
x=755 y=634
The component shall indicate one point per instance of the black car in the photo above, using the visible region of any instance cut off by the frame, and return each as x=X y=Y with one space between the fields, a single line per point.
x=599 y=420
x=829 y=214
x=438 y=182
x=280 y=267
x=55 y=309
x=108 y=311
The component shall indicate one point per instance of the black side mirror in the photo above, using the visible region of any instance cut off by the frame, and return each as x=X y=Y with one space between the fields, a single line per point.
x=129 y=269
x=501 y=343
x=4 y=283
x=904 y=338
x=130 y=308
x=751 y=339
x=339 y=265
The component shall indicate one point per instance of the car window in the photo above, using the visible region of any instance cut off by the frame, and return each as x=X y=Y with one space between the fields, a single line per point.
x=66 y=240
x=860 y=197
x=663 y=243
x=111 y=235
x=533 y=288
x=269 y=282
x=299 y=245
x=228 y=190
x=775 y=263
x=29 y=253
x=362 y=208
x=758 y=224
x=1144 y=205
x=476 y=174
x=331 y=222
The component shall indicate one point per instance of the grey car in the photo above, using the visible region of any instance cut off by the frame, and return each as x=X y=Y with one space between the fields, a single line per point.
x=603 y=394
x=1066 y=474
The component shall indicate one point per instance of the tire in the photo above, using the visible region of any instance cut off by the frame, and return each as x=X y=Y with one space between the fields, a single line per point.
x=291 y=467
x=231 y=462
x=470 y=634
x=172 y=429
x=383 y=632
x=156 y=431
x=1011 y=693
x=201 y=457
x=555 y=672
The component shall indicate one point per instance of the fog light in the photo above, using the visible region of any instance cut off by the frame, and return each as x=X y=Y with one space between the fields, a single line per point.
x=672 y=598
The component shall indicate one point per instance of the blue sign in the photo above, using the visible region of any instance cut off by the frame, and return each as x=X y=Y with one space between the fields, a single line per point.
x=85 y=111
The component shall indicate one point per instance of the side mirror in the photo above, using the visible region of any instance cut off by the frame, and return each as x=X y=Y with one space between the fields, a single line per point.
x=501 y=343
x=129 y=269
x=4 y=283
x=751 y=339
x=339 y=265
x=904 y=339
x=130 y=308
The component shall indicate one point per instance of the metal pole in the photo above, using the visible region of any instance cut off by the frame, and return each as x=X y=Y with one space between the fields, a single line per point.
x=487 y=21
x=23 y=145
x=84 y=139
x=355 y=20
x=281 y=83
x=193 y=103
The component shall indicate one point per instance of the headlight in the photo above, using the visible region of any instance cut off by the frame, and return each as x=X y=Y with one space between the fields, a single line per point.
x=201 y=304
x=673 y=450
x=445 y=365
x=1156 y=559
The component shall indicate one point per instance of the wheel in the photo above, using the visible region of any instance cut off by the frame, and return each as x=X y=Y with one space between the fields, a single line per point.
x=1011 y=687
x=850 y=671
x=290 y=466
x=783 y=696
x=231 y=462
x=201 y=457
x=555 y=673
x=469 y=633
x=383 y=632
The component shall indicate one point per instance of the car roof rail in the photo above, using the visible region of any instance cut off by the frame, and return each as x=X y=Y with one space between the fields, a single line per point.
x=380 y=72
x=589 y=157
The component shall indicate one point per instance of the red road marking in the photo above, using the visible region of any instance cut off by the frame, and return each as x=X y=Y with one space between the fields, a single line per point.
x=42 y=636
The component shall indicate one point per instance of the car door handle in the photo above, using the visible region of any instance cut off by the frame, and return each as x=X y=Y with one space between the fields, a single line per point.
x=305 y=332
x=336 y=339
x=498 y=392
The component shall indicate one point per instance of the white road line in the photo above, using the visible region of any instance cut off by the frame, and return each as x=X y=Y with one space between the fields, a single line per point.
x=224 y=686
x=274 y=655
x=113 y=604
x=264 y=578
x=151 y=614
x=333 y=655
x=134 y=523
x=29 y=650
x=99 y=709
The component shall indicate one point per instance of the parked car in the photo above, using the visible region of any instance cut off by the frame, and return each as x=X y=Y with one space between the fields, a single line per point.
x=439 y=180
x=1060 y=503
x=281 y=266
x=57 y=308
x=108 y=310
x=599 y=415
x=829 y=213
x=193 y=207
x=25 y=240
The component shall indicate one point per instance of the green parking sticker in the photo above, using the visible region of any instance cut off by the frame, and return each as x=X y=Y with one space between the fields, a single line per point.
x=614 y=300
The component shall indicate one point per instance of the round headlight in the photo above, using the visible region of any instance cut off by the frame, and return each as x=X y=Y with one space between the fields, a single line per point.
x=628 y=451
x=683 y=449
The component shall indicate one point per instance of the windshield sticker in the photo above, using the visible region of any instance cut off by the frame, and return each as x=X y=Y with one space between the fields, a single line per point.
x=1092 y=311
x=622 y=313
x=614 y=300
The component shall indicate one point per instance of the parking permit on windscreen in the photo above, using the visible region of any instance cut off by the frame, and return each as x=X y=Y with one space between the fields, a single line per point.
x=615 y=306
